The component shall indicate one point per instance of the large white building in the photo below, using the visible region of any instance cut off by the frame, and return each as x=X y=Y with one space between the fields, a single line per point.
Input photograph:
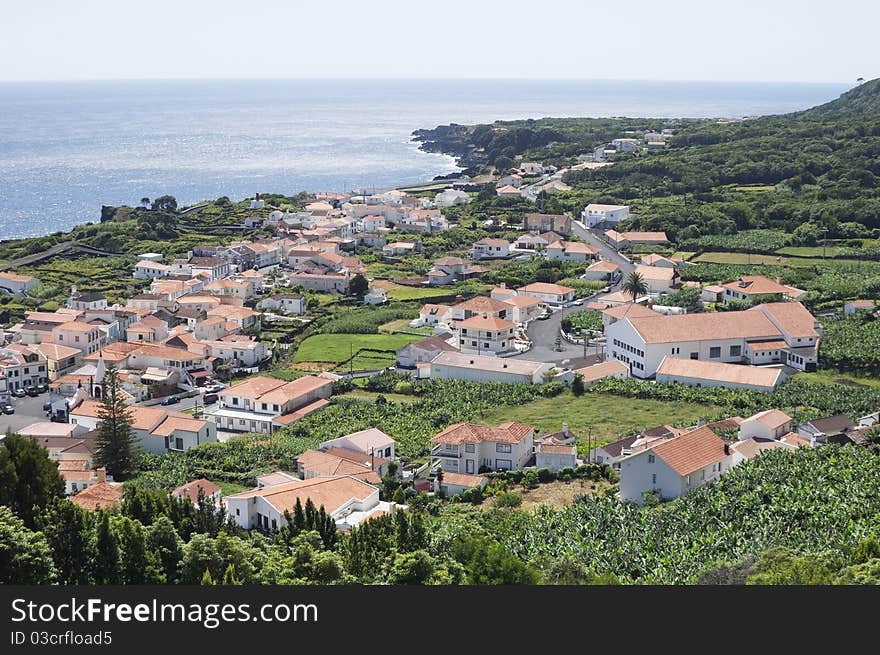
x=770 y=333
x=596 y=214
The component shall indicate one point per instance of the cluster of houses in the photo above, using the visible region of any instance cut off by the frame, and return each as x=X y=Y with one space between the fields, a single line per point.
x=634 y=141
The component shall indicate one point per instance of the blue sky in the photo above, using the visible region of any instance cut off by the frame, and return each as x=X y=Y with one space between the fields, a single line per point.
x=748 y=40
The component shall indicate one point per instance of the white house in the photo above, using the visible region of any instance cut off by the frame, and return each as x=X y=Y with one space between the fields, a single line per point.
x=675 y=467
x=262 y=404
x=17 y=284
x=769 y=424
x=376 y=296
x=468 y=448
x=371 y=441
x=147 y=269
x=748 y=287
x=658 y=279
x=552 y=294
x=488 y=248
x=450 y=197
x=486 y=335
x=555 y=457
x=597 y=214
x=346 y=499
x=431 y=314
x=601 y=270
x=289 y=303
x=571 y=251
x=424 y=350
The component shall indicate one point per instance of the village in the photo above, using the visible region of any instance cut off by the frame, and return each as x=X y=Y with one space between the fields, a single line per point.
x=191 y=361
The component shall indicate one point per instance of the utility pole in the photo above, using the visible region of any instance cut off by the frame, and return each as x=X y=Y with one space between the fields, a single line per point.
x=824 y=240
x=350 y=360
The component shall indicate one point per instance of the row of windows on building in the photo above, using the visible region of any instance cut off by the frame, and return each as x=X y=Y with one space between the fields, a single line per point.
x=629 y=348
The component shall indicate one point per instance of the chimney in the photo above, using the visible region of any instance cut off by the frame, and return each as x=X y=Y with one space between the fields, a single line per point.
x=726 y=448
x=503 y=285
x=459 y=299
x=565 y=429
x=102 y=474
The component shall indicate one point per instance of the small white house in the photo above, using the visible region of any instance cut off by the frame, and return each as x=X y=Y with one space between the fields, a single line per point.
x=376 y=296
x=597 y=214
x=769 y=424
x=675 y=467
x=555 y=457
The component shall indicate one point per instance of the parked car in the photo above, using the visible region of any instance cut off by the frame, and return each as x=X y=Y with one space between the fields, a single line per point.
x=210 y=398
x=171 y=400
x=42 y=388
x=47 y=407
x=579 y=301
x=32 y=392
x=19 y=393
x=544 y=316
x=8 y=409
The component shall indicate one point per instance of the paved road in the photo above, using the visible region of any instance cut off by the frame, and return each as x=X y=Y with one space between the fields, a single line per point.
x=606 y=251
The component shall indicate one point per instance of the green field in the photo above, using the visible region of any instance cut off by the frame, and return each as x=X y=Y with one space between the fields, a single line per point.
x=755 y=187
x=608 y=417
x=809 y=251
x=339 y=347
x=743 y=258
x=826 y=376
x=370 y=396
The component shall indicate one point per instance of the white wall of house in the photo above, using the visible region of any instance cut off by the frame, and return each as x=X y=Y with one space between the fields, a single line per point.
x=469 y=458
x=646 y=471
x=554 y=461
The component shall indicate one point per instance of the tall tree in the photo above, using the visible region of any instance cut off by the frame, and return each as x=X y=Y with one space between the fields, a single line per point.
x=635 y=285
x=358 y=286
x=117 y=444
x=29 y=480
x=105 y=564
x=67 y=530
x=25 y=557
x=163 y=542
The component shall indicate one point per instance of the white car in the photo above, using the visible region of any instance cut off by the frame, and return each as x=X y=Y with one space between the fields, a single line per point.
x=214 y=388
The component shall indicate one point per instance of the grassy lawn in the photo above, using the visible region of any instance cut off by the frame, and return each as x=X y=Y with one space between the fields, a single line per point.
x=809 y=251
x=229 y=488
x=682 y=254
x=742 y=258
x=339 y=347
x=610 y=417
x=401 y=292
x=370 y=396
x=367 y=361
x=827 y=376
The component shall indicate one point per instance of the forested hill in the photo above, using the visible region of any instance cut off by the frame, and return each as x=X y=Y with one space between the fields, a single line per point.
x=863 y=100
x=800 y=173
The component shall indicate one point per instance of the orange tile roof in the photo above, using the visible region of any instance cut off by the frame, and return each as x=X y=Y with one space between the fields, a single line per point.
x=603 y=370
x=459 y=433
x=331 y=492
x=758 y=376
x=105 y=495
x=754 y=285
x=483 y=304
x=464 y=479
x=191 y=489
x=691 y=451
x=792 y=317
x=486 y=323
x=771 y=418
x=545 y=287
x=172 y=423
x=703 y=327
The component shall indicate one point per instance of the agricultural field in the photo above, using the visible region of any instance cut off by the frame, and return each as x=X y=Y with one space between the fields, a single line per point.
x=402 y=325
x=601 y=415
x=401 y=292
x=339 y=347
x=557 y=494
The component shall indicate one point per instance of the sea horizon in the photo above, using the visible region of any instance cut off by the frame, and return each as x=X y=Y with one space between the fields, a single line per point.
x=67 y=147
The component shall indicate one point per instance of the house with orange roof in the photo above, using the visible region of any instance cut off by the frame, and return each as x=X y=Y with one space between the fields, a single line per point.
x=201 y=487
x=748 y=287
x=78 y=334
x=479 y=306
x=486 y=335
x=658 y=279
x=769 y=424
x=456 y=483
x=101 y=495
x=346 y=499
x=552 y=294
x=318 y=463
x=263 y=404
x=675 y=467
x=697 y=373
x=243 y=317
x=770 y=333
x=601 y=270
x=148 y=330
x=18 y=285
x=471 y=449
x=432 y=314
x=571 y=251
x=59 y=359
x=371 y=441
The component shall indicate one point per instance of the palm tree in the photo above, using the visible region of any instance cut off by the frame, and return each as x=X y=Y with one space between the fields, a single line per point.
x=635 y=285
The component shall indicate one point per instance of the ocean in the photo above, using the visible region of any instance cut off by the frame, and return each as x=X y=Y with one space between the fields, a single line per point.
x=66 y=148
